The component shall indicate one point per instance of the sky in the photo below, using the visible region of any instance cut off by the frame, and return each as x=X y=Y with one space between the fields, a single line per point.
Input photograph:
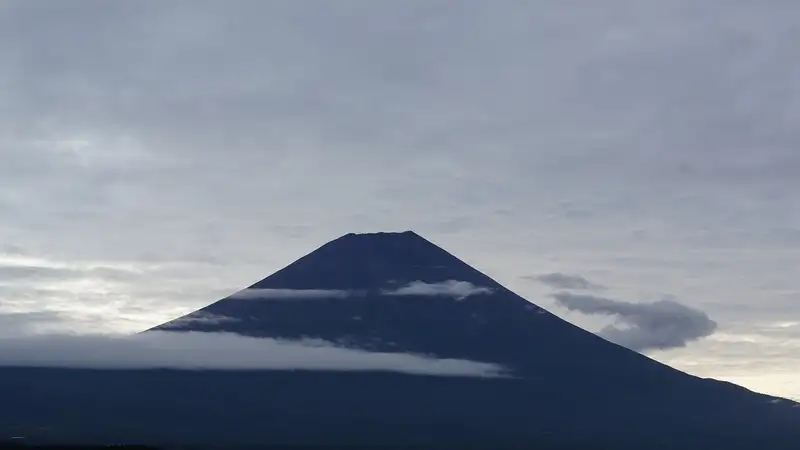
x=157 y=156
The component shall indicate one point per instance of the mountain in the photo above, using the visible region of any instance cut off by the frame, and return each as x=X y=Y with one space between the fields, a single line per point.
x=399 y=293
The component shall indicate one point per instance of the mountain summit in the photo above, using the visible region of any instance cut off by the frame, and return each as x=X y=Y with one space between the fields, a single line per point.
x=398 y=293
x=372 y=261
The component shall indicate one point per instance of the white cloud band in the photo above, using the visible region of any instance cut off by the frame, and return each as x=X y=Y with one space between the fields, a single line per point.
x=450 y=288
x=220 y=351
x=289 y=294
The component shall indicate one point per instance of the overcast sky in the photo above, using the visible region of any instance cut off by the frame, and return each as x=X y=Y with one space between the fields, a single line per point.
x=158 y=155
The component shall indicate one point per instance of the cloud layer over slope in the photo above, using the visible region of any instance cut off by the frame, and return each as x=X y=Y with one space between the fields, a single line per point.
x=219 y=351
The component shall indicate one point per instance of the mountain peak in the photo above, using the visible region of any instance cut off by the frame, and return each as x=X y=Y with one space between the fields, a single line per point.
x=373 y=261
x=394 y=291
x=383 y=234
x=379 y=238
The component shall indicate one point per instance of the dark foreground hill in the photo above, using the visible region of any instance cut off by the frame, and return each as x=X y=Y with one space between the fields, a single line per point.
x=397 y=292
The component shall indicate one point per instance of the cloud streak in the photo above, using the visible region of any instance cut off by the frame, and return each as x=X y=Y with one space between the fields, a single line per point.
x=663 y=324
x=450 y=288
x=289 y=294
x=559 y=280
x=201 y=317
x=220 y=351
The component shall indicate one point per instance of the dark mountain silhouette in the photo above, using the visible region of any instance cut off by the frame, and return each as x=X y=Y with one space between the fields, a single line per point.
x=397 y=292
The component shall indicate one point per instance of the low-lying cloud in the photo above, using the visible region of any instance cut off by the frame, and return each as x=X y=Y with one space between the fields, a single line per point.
x=21 y=267
x=202 y=317
x=289 y=294
x=450 y=288
x=659 y=325
x=559 y=280
x=220 y=351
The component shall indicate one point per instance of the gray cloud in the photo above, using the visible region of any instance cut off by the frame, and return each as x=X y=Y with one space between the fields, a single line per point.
x=220 y=351
x=289 y=294
x=17 y=272
x=660 y=325
x=567 y=99
x=201 y=318
x=450 y=288
x=31 y=273
x=21 y=323
x=565 y=281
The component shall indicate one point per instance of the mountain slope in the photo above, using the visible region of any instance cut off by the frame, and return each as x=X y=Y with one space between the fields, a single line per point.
x=352 y=281
x=397 y=292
